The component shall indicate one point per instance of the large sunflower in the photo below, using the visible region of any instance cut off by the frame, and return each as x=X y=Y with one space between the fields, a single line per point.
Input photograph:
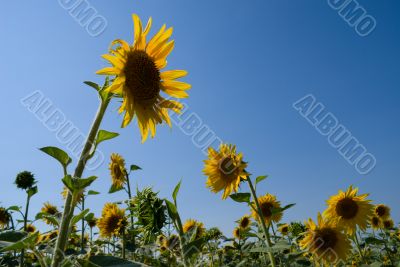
x=225 y=169
x=326 y=241
x=267 y=204
x=112 y=221
x=349 y=210
x=118 y=171
x=139 y=80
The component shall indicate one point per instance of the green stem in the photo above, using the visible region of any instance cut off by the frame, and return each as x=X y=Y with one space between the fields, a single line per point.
x=359 y=247
x=130 y=209
x=69 y=205
x=21 y=262
x=261 y=220
x=83 y=226
x=39 y=256
x=123 y=244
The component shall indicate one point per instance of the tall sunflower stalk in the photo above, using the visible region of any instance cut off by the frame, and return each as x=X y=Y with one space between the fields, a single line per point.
x=138 y=79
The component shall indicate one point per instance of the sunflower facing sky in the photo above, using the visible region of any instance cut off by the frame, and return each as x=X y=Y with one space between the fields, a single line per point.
x=118 y=171
x=267 y=204
x=350 y=210
x=139 y=80
x=225 y=169
x=325 y=241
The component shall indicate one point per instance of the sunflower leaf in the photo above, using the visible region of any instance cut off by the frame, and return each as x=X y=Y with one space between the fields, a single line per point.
x=135 y=167
x=93 y=85
x=79 y=217
x=14 y=208
x=114 y=189
x=241 y=197
x=172 y=211
x=261 y=178
x=279 y=210
x=176 y=191
x=104 y=135
x=57 y=153
x=26 y=242
x=32 y=191
x=91 y=192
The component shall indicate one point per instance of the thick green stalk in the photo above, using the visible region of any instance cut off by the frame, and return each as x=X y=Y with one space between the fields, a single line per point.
x=130 y=209
x=259 y=211
x=69 y=205
x=21 y=262
x=83 y=227
x=123 y=244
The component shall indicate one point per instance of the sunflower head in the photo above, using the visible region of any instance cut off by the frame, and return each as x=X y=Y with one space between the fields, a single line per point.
x=326 y=241
x=238 y=233
x=267 y=204
x=118 y=171
x=30 y=228
x=388 y=224
x=225 y=169
x=92 y=222
x=349 y=210
x=284 y=229
x=376 y=222
x=382 y=211
x=245 y=222
x=139 y=78
x=4 y=217
x=51 y=210
x=25 y=180
x=113 y=221
x=191 y=224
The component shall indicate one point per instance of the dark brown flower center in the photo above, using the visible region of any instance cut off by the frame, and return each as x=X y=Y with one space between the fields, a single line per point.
x=142 y=76
x=347 y=208
x=117 y=171
x=227 y=166
x=325 y=239
x=266 y=209
x=380 y=211
x=244 y=222
x=375 y=221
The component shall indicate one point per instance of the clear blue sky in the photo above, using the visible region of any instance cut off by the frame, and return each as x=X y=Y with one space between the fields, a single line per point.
x=248 y=61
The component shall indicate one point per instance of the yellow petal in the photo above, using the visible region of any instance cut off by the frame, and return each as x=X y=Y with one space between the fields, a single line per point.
x=108 y=71
x=157 y=42
x=165 y=51
x=115 y=61
x=137 y=25
x=173 y=74
x=122 y=44
x=148 y=26
x=176 y=85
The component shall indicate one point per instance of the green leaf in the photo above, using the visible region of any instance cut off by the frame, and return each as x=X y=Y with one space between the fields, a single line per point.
x=193 y=247
x=114 y=189
x=176 y=191
x=89 y=217
x=104 y=135
x=172 y=211
x=135 y=167
x=24 y=243
x=374 y=241
x=69 y=182
x=79 y=217
x=12 y=236
x=241 y=197
x=32 y=191
x=14 y=208
x=108 y=261
x=261 y=178
x=91 y=192
x=45 y=216
x=279 y=210
x=57 y=153
x=77 y=184
x=93 y=85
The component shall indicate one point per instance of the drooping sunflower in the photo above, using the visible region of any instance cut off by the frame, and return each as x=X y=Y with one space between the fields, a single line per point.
x=349 y=210
x=244 y=222
x=326 y=241
x=190 y=224
x=284 y=229
x=382 y=211
x=118 y=171
x=225 y=169
x=267 y=204
x=92 y=222
x=139 y=80
x=112 y=221
x=4 y=217
x=376 y=223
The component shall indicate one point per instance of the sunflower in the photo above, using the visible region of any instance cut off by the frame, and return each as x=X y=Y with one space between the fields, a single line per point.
x=238 y=233
x=118 y=171
x=382 y=211
x=92 y=222
x=284 y=229
x=112 y=221
x=244 y=222
x=267 y=204
x=4 y=217
x=349 y=210
x=30 y=228
x=65 y=192
x=190 y=224
x=376 y=223
x=139 y=80
x=51 y=210
x=225 y=169
x=388 y=224
x=326 y=241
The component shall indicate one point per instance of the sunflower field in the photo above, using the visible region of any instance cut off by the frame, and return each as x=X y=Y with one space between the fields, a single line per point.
x=144 y=229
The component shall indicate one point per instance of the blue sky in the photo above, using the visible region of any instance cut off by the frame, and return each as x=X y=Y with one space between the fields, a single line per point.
x=248 y=62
